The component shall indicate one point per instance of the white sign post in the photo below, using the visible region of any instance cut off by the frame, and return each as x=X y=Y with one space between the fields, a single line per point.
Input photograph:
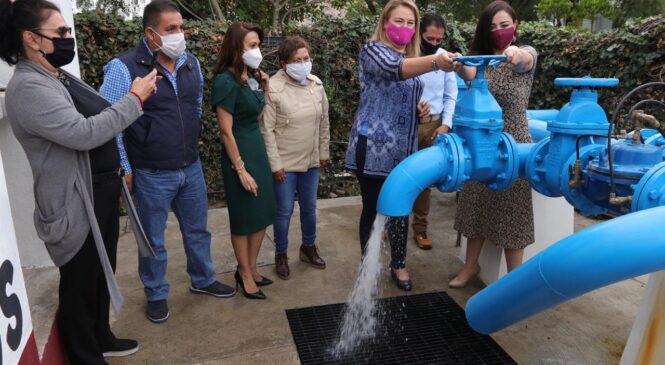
x=15 y=322
x=646 y=344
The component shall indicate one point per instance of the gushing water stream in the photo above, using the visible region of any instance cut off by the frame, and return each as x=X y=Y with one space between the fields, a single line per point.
x=360 y=317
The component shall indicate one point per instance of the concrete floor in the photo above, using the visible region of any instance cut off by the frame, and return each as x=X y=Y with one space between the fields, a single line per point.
x=592 y=329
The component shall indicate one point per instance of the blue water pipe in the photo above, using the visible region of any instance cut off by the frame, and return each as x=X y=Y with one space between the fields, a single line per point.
x=569 y=158
x=603 y=254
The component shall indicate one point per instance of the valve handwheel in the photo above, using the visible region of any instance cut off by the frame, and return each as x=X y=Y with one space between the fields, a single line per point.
x=480 y=61
x=585 y=82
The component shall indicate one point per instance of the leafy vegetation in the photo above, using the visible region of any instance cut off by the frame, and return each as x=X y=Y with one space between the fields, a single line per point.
x=635 y=54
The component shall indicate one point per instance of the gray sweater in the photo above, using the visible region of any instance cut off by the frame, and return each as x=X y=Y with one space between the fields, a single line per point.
x=56 y=139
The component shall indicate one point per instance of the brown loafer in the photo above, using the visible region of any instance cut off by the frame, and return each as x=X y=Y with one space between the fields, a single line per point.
x=310 y=255
x=282 y=266
x=423 y=241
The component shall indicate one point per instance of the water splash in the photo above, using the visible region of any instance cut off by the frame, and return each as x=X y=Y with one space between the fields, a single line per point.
x=360 y=317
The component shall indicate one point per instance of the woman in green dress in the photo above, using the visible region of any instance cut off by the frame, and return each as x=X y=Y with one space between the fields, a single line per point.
x=238 y=100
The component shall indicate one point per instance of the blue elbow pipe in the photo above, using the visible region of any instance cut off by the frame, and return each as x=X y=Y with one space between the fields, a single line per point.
x=606 y=253
x=410 y=177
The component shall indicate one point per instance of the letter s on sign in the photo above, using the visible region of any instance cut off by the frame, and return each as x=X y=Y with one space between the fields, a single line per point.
x=11 y=307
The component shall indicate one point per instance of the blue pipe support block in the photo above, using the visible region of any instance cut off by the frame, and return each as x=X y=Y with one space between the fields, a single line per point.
x=606 y=253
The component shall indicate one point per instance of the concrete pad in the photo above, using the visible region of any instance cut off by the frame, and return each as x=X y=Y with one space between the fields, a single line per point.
x=591 y=329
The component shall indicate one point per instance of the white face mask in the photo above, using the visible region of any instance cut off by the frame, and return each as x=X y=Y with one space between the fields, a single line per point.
x=299 y=71
x=252 y=58
x=173 y=45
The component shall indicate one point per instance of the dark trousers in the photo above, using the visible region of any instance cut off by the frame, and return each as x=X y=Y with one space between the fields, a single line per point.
x=370 y=187
x=84 y=297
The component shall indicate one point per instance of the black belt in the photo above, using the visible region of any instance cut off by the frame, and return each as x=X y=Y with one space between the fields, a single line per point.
x=108 y=176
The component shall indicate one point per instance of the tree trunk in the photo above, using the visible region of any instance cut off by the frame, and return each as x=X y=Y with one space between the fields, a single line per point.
x=276 y=8
x=217 y=10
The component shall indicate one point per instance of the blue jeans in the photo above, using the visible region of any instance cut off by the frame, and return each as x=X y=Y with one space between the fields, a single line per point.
x=184 y=190
x=307 y=185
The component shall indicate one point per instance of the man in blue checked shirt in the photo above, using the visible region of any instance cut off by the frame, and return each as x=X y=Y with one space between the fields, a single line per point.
x=159 y=153
x=440 y=93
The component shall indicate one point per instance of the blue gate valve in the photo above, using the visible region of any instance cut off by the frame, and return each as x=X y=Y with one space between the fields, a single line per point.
x=477 y=150
x=581 y=122
x=490 y=155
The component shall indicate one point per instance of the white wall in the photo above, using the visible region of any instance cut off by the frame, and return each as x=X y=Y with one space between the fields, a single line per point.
x=554 y=220
x=18 y=173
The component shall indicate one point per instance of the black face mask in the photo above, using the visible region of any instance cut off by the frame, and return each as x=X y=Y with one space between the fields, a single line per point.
x=427 y=48
x=64 y=50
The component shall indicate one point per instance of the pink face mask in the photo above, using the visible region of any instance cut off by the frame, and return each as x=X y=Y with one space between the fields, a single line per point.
x=400 y=36
x=502 y=38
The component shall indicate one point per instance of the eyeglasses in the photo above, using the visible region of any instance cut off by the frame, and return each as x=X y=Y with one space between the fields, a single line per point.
x=62 y=31
x=304 y=60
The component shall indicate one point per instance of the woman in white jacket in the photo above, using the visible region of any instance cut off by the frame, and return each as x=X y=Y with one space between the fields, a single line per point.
x=296 y=132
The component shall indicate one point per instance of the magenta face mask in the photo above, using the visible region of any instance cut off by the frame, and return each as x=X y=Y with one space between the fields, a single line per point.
x=502 y=38
x=400 y=36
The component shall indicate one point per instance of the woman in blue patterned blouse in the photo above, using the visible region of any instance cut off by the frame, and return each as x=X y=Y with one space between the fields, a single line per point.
x=385 y=130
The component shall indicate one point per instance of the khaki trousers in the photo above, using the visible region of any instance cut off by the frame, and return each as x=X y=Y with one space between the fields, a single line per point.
x=421 y=206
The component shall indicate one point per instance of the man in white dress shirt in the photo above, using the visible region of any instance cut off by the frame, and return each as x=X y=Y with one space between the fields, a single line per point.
x=440 y=94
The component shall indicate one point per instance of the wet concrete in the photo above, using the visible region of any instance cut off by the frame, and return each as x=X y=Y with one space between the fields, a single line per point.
x=592 y=329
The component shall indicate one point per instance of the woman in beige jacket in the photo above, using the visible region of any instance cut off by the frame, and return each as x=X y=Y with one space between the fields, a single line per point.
x=296 y=132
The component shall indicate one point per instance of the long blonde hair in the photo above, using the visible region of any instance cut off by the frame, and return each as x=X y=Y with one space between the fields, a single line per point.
x=413 y=48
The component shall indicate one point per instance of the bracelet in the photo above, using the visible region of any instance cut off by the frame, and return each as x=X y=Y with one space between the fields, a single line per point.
x=138 y=96
x=242 y=167
x=435 y=67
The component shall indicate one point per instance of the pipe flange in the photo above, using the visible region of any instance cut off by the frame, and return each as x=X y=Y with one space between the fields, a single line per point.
x=650 y=191
x=509 y=158
x=452 y=147
x=576 y=197
x=536 y=169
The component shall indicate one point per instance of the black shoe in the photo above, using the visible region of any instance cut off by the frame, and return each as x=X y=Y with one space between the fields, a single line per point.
x=264 y=281
x=122 y=347
x=215 y=289
x=158 y=311
x=256 y=295
x=405 y=285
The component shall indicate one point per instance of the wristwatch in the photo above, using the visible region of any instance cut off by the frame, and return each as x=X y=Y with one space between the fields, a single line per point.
x=435 y=67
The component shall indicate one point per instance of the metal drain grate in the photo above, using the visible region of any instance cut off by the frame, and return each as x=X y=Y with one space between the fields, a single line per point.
x=415 y=329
